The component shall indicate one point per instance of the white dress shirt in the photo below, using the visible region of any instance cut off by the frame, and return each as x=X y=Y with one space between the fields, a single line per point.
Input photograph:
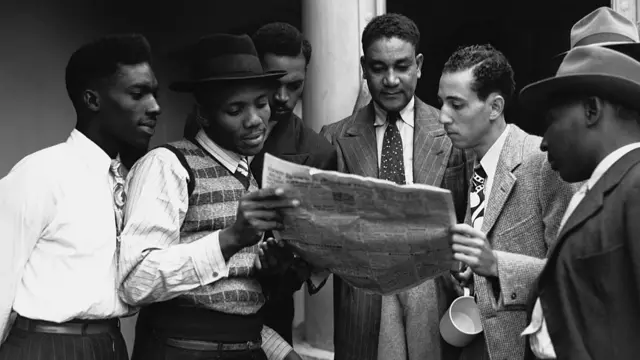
x=57 y=253
x=489 y=162
x=155 y=266
x=540 y=341
x=405 y=128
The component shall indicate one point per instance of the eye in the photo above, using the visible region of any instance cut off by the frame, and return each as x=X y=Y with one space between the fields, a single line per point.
x=234 y=111
x=136 y=95
x=295 y=86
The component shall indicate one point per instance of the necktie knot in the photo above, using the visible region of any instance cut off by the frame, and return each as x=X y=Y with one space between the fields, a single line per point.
x=116 y=170
x=393 y=117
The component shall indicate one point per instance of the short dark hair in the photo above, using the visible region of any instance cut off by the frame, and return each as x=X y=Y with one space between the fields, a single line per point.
x=281 y=39
x=101 y=58
x=491 y=70
x=389 y=26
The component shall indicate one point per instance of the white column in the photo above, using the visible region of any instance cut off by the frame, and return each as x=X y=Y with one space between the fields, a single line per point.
x=625 y=7
x=334 y=28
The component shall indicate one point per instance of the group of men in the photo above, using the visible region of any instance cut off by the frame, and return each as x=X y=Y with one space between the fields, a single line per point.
x=185 y=235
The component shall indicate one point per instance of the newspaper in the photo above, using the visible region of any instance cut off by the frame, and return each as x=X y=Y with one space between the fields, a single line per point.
x=374 y=234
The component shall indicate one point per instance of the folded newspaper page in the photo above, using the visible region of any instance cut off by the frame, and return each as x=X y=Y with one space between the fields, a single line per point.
x=374 y=234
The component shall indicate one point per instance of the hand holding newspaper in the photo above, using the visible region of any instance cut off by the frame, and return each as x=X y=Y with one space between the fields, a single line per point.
x=374 y=234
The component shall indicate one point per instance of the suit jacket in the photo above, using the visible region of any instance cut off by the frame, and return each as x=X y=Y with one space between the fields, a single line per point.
x=291 y=140
x=590 y=286
x=435 y=162
x=521 y=220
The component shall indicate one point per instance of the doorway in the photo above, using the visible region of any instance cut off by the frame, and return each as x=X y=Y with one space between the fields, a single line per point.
x=529 y=33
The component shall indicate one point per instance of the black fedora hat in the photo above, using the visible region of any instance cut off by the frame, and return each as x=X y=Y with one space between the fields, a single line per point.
x=223 y=57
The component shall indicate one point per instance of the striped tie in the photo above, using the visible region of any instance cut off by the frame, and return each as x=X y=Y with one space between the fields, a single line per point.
x=242 y=172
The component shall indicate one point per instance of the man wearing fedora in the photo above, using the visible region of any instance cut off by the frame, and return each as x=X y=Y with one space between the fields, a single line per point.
x=516 y=200
x=603 y=27
x=587 y=295
x=195 y=214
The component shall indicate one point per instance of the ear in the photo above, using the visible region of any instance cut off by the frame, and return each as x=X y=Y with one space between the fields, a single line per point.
x=91 y=100
x=419 y=60
x=497 y=103
x=363 y=65
x=593 y=110
x=201 y=118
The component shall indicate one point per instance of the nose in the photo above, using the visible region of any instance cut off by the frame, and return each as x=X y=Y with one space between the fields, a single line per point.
x=254 y=119
x=390 y=79
x=154 y=107
x=282 y=95
x=543 y=144
x=444 y=118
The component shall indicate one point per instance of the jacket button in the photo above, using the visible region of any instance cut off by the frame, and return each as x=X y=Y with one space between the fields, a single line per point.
x=513 y=296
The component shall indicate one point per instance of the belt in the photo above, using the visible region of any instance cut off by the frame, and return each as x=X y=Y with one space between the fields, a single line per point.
x=198 y=345
x=73 y=327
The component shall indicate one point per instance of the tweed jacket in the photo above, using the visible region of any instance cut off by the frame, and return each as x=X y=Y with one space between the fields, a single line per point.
x=435 y=162
x=521 y=220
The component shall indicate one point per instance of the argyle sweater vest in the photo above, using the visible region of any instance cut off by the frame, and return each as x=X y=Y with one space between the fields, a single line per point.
x=213 y=204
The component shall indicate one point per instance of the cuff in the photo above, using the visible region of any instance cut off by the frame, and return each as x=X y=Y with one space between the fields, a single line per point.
x=516 y=273
x=208 y=260
x=273 y=345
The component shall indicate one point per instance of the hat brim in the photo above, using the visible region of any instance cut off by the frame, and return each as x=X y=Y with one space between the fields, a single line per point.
x=628 y=48
x=190 y=85
x=539 y=95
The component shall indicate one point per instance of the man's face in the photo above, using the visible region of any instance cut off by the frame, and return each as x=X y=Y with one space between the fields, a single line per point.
x=392 y=69
x=464 y=116
x=286 y=96
x=238 y=115
x=563 y=141
x=128 y=105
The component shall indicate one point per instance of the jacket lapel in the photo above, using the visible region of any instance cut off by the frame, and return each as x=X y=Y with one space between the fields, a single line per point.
x=594 y=199
x=431 y=146
x=359 y=143
x=504 y=179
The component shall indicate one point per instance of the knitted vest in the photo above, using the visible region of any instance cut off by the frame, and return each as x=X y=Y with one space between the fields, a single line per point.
x=212 y=206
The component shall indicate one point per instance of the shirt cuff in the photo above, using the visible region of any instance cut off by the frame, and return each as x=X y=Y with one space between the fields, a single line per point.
x=208 y=260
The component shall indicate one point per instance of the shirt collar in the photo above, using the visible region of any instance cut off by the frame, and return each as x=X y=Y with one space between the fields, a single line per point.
x=227 y=158
x=489 y=161
x=608 y=161
x=92 y=154
x=406 y=114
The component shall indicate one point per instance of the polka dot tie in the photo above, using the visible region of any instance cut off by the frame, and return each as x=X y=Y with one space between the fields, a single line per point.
x=391 y=161
x=477 y=197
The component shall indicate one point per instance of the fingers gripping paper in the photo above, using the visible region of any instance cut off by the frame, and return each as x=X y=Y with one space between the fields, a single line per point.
x=374 y=234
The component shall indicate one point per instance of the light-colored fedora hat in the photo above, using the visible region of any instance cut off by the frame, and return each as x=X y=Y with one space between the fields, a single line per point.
x=605 y=27
x=589 y=70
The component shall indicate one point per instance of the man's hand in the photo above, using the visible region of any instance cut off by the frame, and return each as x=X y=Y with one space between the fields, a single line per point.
x=462 y=279
x=258 y=212
x=472 y=248
x=273 y=257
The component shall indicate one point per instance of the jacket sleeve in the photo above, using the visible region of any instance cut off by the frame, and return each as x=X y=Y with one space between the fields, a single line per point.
x=517 y=272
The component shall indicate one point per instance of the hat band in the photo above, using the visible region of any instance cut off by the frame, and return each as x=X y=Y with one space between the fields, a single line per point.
x=602 y=38
x=226 y=65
